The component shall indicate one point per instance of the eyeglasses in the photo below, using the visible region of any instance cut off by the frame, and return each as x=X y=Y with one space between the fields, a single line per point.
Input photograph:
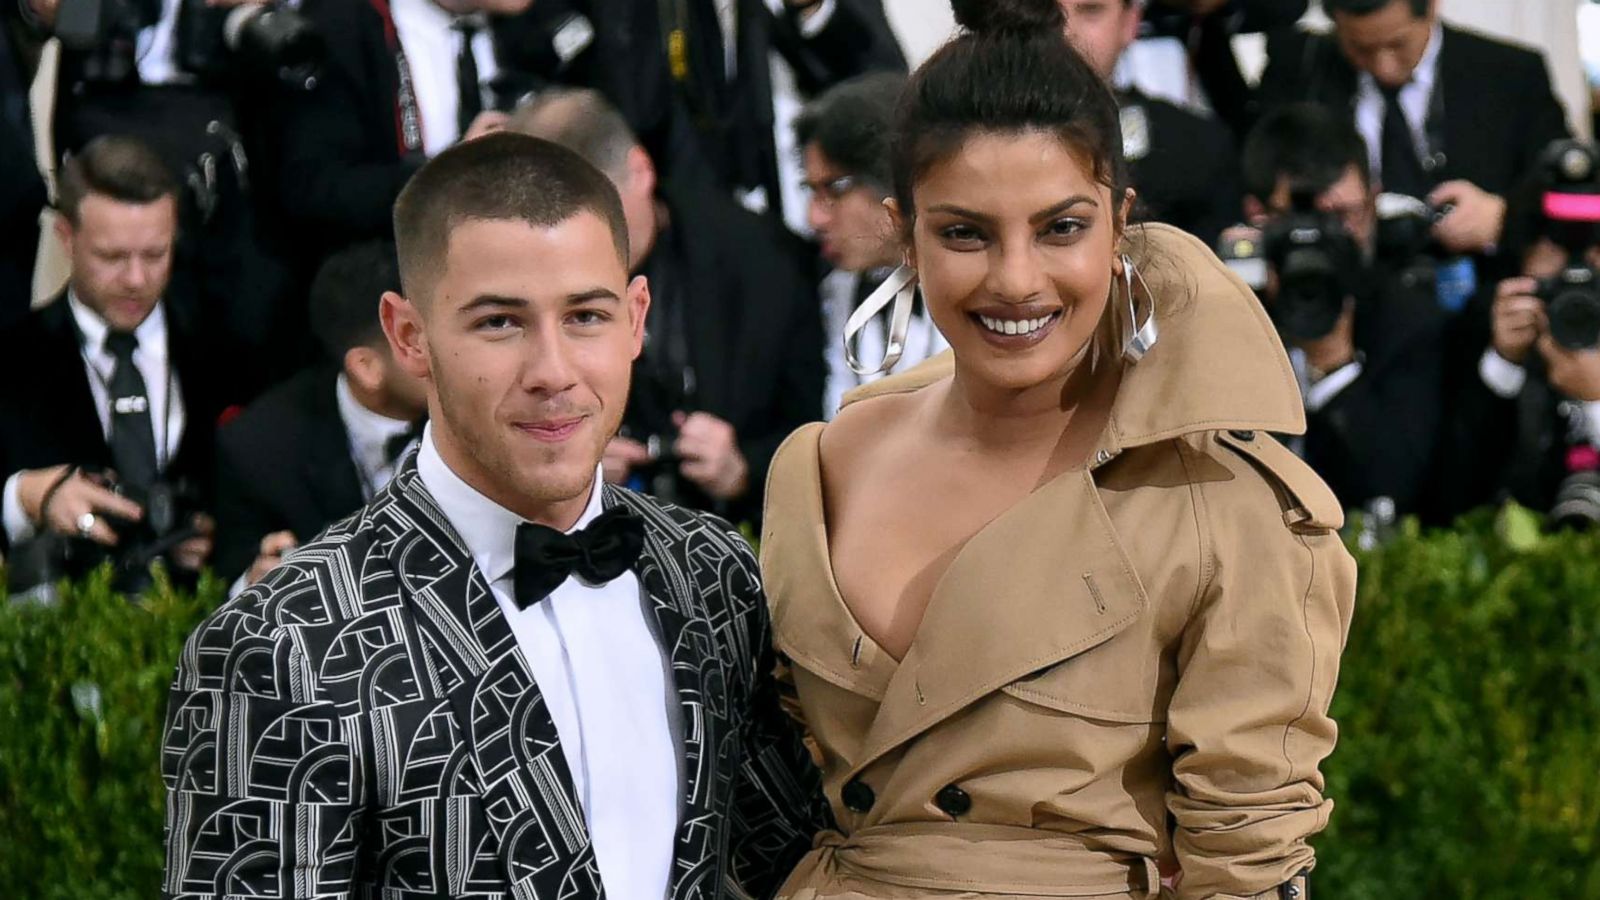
x=830 y=192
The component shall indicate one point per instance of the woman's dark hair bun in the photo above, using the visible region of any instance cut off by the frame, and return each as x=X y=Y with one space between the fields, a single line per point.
x=1015 y=16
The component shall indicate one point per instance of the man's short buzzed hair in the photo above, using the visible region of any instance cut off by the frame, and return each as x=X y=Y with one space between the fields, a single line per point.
x=1419 y=8
x=583 y=121
x=500 y=176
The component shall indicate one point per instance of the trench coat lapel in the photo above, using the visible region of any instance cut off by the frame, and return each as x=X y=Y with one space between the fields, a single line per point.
x=981 y=632
x=473 y=657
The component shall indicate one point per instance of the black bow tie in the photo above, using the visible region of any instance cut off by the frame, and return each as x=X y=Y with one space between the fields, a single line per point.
x=597 y=554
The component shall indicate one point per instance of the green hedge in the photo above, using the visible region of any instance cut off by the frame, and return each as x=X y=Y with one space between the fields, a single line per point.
x=1468 y=764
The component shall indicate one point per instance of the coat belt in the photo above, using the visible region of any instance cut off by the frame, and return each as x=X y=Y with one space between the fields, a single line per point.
x=989 y=859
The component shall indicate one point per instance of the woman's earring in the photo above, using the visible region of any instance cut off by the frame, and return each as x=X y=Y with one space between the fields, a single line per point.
x=1144 y=336
x=901 y=290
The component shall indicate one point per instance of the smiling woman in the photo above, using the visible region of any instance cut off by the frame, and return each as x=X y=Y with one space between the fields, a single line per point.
x=1060 y=617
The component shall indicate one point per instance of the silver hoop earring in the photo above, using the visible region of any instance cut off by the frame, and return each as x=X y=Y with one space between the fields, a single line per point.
x=1144 y=336
x=901 y=290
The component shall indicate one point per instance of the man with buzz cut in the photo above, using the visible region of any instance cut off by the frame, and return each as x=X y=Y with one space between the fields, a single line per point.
x=502 y=677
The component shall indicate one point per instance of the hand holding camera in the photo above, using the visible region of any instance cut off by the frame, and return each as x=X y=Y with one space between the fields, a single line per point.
x=709 y=450
x=1517 y=318
x=1474 y=221
x=66 y=501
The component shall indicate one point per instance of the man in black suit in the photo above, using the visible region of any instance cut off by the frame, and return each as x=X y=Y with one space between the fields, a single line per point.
x=1184 y=166
x=1371 y=370
x=403 y=80
x=708 y=112
x=105 y=386
x=733 y=362
x=1448 y=115
x=502 y=677
x=313 y=449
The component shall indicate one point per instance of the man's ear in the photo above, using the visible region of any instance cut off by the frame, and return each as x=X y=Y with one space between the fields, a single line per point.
x=408 y=340
x=642 y=171
x=638 y=303
x=364 y=366
x=65 y=232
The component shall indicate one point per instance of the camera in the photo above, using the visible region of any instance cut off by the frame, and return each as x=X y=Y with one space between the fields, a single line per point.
x=1405 y=228
x=170 y=509
x=659 y=390
x=263 y=39
x=1316 y=262
x=1570 y=209
x=1572 y=303
x=1577 y=504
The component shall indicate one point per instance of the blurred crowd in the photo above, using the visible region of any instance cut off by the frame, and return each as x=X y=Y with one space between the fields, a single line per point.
x=197 y=194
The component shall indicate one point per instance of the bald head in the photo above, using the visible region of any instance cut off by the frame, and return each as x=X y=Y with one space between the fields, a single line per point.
x=582 y=121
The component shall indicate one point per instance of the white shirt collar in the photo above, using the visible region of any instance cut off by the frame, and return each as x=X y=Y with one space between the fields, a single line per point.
x=152 y=332
x=488 y=529
x=369 y=431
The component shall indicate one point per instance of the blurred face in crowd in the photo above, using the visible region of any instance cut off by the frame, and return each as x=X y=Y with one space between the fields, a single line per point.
x=1388 y=43
x=852 y=226
x=527 y=340
x=1101 y=30
x=1350 y=199
x=636 y=186
x=1015 y=242
x=121 y=256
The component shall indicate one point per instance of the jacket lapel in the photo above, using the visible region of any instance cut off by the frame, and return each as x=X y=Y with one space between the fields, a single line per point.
x=75 y=417
x=474 y=660
x=699 y=680
x=966 y=648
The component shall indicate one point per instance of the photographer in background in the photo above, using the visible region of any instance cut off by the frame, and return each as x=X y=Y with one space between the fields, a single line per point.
x=106 y=400
x=1527 y=423
x=312 y=450
x=1363 y=332
x=1183 y=164
x=196 y=80
x=1449 y=116
x=732 y=359
x=844 y=141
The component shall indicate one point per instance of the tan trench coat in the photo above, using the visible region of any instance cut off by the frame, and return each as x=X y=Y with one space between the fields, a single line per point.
x=1153 y=639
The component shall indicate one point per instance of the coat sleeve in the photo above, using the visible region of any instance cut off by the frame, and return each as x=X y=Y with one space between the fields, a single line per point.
x=1248 y=724
x=262 y=781
x=778 y=804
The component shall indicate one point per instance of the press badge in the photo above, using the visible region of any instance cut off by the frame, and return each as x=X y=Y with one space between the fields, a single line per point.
x=572 y=38
x=1135 y=133
x=1455 y=281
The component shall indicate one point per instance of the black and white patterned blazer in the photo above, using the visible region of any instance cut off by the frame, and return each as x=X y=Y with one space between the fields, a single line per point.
x=362 y=724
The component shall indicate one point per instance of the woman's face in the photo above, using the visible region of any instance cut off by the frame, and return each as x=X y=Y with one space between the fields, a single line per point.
x=1014 y=243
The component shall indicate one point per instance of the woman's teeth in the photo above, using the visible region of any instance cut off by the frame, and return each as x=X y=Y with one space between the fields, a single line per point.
x=1014 y=326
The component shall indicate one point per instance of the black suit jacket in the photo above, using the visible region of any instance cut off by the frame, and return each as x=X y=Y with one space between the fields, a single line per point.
x=1377 y=437
x=1499 y=111
x=283 y=465
x=47 y=413
x=1189 y=174
x=364 y=720
x=754 y=326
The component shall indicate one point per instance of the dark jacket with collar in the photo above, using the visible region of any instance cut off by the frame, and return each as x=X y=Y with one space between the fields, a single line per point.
x=754 y=326
x=363 y=720
x=1184 y=167
x=284 y=464
x=48 y=415
x=1483 y=88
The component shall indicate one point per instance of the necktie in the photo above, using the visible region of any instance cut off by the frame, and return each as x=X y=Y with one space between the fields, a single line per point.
x=133 y=443
x=597 y=554
x=1402 y=170
x=469 y=94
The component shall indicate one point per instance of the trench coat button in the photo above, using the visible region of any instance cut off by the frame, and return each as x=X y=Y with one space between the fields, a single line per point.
x=1246 y=436
x=857 y=797
x=953 y=801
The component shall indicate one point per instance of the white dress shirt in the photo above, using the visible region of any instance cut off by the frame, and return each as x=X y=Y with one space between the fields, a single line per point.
x=1505 y=379
x=923 y=339
x=1415 y=98
x=160 y=383
x=431 y=47
x=369 y=434
x=600 y=668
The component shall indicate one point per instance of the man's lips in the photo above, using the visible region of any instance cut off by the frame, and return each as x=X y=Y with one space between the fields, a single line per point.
x=550 y=431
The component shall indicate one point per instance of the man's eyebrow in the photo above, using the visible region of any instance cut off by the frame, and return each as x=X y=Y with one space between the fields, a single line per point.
x=594 y=293
x=493 y=301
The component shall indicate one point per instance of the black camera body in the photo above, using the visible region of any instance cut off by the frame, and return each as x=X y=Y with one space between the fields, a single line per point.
x=1316 y=261
x=1404 y=232
x=262 y=40
x=1572 y=304
x=170 y=509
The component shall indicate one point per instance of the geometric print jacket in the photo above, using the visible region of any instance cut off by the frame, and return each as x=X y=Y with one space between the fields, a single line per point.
x=362 y=724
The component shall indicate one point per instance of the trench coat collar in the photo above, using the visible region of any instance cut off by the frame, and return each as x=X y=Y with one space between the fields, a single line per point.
x=1049 y=578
